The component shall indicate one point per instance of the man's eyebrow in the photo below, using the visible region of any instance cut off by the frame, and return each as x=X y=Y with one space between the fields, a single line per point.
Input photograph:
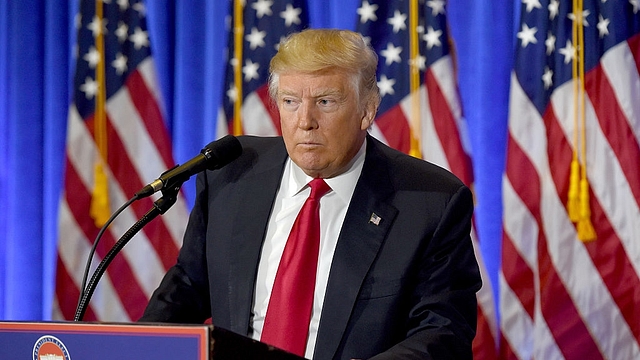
x=330 y=91
x=285 y=92
x=319 y=93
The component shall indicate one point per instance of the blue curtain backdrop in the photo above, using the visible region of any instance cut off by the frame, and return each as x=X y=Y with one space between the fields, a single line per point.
x=188 y=40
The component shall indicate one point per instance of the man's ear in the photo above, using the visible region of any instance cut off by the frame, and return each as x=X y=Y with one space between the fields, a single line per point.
x=368 y=115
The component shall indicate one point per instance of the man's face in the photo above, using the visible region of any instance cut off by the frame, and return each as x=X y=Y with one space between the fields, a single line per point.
x=323 y=124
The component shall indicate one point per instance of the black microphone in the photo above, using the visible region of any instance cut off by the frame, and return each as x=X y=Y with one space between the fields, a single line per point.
x=213 y=156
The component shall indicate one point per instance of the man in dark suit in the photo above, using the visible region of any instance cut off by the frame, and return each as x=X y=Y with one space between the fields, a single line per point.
x=396 y=274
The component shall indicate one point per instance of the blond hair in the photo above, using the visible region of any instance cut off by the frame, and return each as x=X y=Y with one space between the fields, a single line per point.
x=316 y=50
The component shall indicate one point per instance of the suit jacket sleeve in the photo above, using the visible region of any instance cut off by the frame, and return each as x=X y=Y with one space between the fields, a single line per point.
x=183 y=295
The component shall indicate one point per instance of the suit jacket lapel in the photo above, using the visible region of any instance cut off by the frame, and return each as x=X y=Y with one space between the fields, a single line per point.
x=365 y=227
x=258 y=193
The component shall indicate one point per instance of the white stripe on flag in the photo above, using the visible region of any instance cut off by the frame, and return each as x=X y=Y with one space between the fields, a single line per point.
x=255 y=117
x=524 y=232
x=516 y=325
x=618 y=64
x=147 y=69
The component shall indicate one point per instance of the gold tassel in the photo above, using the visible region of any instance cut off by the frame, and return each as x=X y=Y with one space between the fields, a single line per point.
x=586 y=232
x=99 y=209
x=573 y=201
x=578 y=197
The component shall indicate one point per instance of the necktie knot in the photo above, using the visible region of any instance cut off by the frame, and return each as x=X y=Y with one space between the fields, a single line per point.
x=318 y=188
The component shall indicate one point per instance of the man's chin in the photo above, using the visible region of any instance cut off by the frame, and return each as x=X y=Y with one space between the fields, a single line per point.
x=311 y=166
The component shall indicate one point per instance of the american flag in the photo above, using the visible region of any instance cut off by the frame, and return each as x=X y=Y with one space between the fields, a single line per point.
x=422 y=116
x=258 y=26
x=117 y=141
x=569 y=283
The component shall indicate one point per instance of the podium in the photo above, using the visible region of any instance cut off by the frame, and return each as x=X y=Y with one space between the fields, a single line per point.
x=102 y=341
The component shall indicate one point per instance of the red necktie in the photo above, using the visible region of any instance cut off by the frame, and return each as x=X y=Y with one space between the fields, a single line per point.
x=286 y=324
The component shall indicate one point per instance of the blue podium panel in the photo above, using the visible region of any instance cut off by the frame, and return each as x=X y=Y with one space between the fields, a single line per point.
x=93 y=341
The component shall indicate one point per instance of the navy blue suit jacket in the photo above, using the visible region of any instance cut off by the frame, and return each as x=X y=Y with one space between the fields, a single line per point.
x=402 y=288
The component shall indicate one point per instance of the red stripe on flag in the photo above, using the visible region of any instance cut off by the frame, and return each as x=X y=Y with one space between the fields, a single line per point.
x=518 y=275
x=523 y=176
x=150 y=115
x=74 y=186
x=448 y=133
x=634 y=45
x=559 y=153
x=395 y=128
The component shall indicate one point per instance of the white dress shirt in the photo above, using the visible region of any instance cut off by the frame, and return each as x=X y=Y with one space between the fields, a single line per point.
x=333 y=207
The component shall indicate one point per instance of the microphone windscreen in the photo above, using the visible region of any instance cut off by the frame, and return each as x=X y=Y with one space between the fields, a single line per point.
x=222 y=151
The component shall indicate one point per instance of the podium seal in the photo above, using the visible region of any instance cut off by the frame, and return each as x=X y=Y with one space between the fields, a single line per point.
x=50 y=348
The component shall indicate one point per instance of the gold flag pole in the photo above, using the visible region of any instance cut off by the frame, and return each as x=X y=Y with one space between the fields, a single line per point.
x=238 y=32
x=414 y=81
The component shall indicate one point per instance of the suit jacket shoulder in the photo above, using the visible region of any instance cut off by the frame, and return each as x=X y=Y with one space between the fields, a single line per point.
x=408 y=173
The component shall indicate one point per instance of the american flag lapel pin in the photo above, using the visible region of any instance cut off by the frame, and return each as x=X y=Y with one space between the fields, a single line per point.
x=375 y=219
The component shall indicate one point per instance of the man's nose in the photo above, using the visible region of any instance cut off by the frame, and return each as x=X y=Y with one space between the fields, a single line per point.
x=306 y=116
